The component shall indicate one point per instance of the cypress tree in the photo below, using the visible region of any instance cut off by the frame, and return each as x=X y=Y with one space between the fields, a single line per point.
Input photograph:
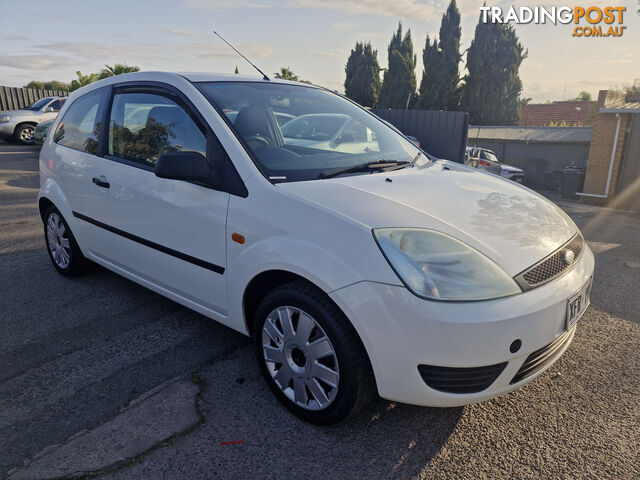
x=400 y=78
x=439 y=87
x=492 y=86
x=362 y=82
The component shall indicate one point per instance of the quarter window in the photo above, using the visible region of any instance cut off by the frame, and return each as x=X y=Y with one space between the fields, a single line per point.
x=143 y=126
x=80 y=126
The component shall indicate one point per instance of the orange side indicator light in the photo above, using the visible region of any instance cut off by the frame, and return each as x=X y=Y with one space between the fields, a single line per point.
x=236 y=237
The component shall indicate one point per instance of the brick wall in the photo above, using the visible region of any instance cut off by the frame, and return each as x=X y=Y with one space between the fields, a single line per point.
x=602 y=140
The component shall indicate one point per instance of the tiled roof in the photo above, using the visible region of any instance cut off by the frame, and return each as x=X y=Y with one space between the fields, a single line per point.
x=531 y=134
x=544 y=114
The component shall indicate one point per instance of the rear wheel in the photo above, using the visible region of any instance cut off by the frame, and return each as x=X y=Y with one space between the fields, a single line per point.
x=63 y=249
x=24 y=134
x=310 y=355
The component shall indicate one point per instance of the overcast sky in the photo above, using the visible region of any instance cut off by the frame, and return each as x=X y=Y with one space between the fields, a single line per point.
x=45 y=40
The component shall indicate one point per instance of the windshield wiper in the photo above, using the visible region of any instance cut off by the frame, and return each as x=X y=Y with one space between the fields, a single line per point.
x=377 y=165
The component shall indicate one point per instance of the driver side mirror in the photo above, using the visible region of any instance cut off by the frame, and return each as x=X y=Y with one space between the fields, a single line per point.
x=184 y=165
x=49 y=109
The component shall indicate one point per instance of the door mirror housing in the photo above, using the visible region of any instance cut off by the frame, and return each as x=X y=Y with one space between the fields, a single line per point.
x=184 y=165
x=49 y=110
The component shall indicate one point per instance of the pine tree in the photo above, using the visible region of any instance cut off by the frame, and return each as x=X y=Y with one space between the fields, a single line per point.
x=400 y=78
x=362 y=82
x=439 y=87
x=430 y=84
x=237 y=72
x=492 y=86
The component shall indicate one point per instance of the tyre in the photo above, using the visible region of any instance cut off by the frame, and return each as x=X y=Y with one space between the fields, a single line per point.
x=63 y=249
x=24 y=134
x=310 y=355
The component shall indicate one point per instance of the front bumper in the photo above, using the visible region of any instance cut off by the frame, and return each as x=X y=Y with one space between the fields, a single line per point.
x=401 y=331
x=7 y=128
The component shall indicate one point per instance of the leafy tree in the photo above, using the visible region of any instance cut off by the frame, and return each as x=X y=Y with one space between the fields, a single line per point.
x=51 y=85
x=83 y=80
x=439 y=87
x=632 y=92
x=362 y=82
x=286 y=73
x=399 y=80
x=492 y=87
x=118 y=69
x=237 y=72
x=582 y=97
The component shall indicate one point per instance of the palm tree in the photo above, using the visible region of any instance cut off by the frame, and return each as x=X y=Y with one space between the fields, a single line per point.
x=286 y=73
x=118 y=69
x=82 y=80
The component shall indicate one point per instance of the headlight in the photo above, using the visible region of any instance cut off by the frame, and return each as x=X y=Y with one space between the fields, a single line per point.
x=436 y=266
x=5 y=118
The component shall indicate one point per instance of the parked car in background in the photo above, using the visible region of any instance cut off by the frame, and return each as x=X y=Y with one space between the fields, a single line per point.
x=330 y=131
x=40 y=132
x=482 y=159
x=19 y=125
x=512 y=173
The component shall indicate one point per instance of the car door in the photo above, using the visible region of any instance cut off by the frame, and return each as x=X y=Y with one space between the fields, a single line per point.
x=167 y=234
x=73 y=160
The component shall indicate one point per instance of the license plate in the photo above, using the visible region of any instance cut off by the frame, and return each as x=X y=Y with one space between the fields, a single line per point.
x=518 y=180
x=577 y=304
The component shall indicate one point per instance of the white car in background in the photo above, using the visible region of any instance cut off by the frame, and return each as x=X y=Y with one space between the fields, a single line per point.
x=329 y=131
x=512 y=173
x=379 y=269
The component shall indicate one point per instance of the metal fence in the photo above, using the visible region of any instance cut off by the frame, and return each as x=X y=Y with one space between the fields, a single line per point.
x=443 y=134
x=14 y=98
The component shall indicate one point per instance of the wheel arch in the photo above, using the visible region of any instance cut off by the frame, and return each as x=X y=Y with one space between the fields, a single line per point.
x=43 y=204
x=260 y=285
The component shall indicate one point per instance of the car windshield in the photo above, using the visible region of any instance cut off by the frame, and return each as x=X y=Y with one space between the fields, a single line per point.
x=40 y=103
x=322 y=132
x=490 y=156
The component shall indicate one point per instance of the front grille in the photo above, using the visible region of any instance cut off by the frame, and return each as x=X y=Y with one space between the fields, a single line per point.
x=460 y=380
x=552 y=266
x=542 y=357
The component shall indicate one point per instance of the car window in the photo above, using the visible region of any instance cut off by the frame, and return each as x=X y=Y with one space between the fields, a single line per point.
x=143 y=126
x=324 y=131
x=80 y=125
x=56 y=105
x=489 y=156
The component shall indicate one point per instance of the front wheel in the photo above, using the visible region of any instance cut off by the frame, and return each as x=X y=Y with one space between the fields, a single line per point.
x=24 y=134
x=310 y=355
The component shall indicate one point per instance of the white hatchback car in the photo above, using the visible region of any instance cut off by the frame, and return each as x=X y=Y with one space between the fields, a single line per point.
x=428 y=281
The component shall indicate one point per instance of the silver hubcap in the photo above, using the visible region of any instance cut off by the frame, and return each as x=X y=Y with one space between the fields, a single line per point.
x=300 y=358
x=58 y=241
x=26 y=135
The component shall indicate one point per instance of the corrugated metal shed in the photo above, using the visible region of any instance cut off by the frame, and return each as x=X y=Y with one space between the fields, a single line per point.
x=542 y=152
x=531 y=134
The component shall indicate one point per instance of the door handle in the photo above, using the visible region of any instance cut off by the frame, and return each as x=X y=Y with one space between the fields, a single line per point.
x=100 y=183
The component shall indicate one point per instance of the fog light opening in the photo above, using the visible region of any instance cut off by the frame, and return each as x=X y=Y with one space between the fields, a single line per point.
x=515 y=345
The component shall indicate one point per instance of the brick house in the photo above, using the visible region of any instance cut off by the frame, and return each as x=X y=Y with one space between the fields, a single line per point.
x=613 y=167
x=569 y=114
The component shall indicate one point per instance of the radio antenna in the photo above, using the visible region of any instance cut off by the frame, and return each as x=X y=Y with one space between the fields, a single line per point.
x=264 y=77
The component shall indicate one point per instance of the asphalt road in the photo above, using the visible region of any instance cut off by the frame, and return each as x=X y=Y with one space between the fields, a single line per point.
x=73 y=352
